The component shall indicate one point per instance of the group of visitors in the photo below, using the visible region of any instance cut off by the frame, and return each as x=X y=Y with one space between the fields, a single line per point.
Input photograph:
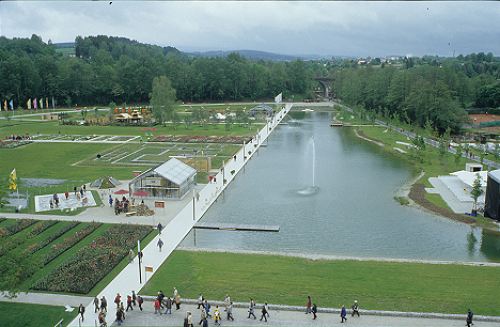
x=121 y=206
x=164 y=302
x=15 y=137
x=312 y=308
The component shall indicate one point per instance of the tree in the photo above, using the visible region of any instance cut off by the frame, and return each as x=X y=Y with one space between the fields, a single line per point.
x=476 y=191
x=162 y=98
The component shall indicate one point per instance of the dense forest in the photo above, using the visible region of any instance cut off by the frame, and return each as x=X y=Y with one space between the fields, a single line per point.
x=427 y=90
x=423 y=90
x=111 y=69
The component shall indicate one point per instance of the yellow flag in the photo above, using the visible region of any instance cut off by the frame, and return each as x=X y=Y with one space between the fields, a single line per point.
x=13 y=180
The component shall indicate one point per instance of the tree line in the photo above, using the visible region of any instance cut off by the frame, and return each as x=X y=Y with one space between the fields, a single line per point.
x=111 y=69
x=433 y=91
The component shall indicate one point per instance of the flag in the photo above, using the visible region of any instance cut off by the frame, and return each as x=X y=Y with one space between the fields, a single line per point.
x=46 y=103
x=41 y=103
x=35 y=104
x=13 y=180
x=5 y=105
x=278 y=98
x=11 y=104
x=28 y=104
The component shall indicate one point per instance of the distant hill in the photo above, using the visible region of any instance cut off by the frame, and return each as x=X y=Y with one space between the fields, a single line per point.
x=255 y=55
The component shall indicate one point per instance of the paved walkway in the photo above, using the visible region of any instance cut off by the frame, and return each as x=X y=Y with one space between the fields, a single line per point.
x=283 y=318
x=47 y=299
x=178 y=227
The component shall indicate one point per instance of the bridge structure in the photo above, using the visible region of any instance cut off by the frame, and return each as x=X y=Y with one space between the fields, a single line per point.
x=326 y=88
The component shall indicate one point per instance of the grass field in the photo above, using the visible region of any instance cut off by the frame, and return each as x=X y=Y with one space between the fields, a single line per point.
x=48 y=244
x=33 y=315
x=286 y=280
x=53 y=127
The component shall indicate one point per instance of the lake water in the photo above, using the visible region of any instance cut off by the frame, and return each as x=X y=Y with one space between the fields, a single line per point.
x=353 y=214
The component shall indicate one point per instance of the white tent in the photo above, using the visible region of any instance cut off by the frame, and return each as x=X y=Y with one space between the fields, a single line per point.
x=469 y=177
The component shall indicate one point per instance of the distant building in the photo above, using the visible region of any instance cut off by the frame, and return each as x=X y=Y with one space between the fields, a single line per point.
x=170 y=180
x=492 y=199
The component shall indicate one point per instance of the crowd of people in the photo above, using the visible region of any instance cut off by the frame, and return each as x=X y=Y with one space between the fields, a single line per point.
x=122 y=205
x=163 y=305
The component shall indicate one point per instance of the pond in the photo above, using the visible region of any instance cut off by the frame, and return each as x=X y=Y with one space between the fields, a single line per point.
x=352 y=214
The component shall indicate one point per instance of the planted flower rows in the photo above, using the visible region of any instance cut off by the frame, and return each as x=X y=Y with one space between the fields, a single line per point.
x=63 y=256
x=201 y=139
x=80 y=273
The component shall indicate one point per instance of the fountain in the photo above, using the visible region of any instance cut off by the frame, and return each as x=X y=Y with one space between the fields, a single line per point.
x=313 y=189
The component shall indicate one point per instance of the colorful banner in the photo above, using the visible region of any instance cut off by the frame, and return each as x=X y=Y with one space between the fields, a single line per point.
x=11 y=104
x=13 y=180
x=5 y=105
x=53 y=103
x=46 y=103
x=35 y=104
x=41 y=103
x=28 y=104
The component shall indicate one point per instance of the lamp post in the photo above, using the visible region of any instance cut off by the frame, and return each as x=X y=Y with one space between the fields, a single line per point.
x=139 y=255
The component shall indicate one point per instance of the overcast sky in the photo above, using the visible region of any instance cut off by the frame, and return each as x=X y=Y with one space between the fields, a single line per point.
x=326 y=28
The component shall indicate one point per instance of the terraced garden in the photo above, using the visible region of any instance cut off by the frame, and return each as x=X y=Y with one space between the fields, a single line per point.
x=67 y=257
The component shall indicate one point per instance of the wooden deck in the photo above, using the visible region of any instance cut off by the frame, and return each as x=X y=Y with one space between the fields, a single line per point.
x=238 y=227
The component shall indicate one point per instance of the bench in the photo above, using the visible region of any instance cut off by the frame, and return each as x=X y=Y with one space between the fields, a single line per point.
x=130 y=213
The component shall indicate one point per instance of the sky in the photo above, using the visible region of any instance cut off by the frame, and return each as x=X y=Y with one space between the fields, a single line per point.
x=356 y=29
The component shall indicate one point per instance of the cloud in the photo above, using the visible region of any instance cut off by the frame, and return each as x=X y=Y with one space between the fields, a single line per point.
x=335 y=28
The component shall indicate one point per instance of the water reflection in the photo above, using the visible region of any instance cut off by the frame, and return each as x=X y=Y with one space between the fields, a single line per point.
x=354 y=214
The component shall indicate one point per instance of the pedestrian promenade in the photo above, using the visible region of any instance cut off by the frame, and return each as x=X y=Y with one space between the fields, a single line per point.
x=286 y=318
x=175 y=231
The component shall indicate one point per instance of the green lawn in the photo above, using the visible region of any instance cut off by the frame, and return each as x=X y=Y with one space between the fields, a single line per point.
x=33 y=315
x=8 y=128
x=286 y=280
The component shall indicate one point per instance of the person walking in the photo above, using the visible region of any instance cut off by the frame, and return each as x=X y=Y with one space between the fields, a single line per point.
x=189 y=317
x=355 y=308
x=96 y=304
x=177 y=302
x=468 y=320
x=119 y=317
x=200 y=301
x=227 y=300
x=314 y=310
x=267 y=309
x=168 y=305
x=203 y=315
x=140 y=301
x=122 y=309
x=159 y=244
x=343 y=314
x=204 y=323
x=157 y=306
x=264 y=313
x=104 y=304
x=129 y=303
x=230 y=311
x=206 y=306
x=160 y=298
x=81 y=311
x=160 y=227
x=308 y=305
x=217 y=315
x=110 y=201
x=134 y=298
x=102 y=319
x=251 y=309
x=118 y=299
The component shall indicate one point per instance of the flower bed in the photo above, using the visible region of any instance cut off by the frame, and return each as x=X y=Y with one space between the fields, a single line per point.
x=69 y=241
x=40 y=245
x=92 y=263
x=201 y=139
x=17 y=227
x=41 y=227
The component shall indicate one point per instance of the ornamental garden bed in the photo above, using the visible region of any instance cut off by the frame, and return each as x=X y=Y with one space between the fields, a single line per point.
x=81 y=272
